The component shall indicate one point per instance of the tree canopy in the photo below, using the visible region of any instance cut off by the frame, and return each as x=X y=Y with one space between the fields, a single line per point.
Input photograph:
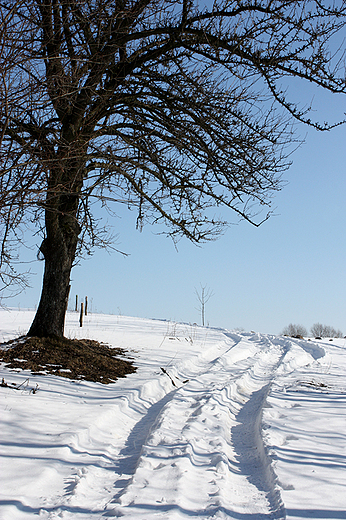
x=174 y=108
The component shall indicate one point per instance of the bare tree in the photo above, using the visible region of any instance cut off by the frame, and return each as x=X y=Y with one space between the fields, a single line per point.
x=330 y=332
x=295 y=331
x=317 y=330
x=325 y=331
x=203 y=296
x=173 y=108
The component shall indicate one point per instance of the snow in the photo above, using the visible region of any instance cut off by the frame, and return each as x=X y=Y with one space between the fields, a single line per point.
x=253 y=429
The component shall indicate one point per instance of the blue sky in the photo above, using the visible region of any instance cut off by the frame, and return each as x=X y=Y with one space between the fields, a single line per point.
x=291 y=269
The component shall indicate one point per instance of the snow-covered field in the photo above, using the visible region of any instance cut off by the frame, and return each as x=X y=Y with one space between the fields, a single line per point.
x=254 y=428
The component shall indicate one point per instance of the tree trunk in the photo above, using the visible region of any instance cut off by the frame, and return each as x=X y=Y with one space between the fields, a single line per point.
x=59 y=251
x=50 y=316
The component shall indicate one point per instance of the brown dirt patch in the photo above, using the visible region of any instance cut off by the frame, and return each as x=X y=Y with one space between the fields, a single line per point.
x=81 y=359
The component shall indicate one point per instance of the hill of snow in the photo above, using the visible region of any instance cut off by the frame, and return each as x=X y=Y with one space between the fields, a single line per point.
x=214 y=424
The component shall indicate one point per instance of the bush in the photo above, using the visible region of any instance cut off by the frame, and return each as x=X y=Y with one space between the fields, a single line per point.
x=295 y=331
x=325 y=331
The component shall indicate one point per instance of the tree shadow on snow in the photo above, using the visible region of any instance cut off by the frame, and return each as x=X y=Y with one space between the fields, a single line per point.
x=316 y=513
x=202 y=513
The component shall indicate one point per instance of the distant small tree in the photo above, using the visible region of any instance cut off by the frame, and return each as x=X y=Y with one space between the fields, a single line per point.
x=317 y=330
x=294 y=331
x=335 y=333
x=325 y=331
x=203 y=297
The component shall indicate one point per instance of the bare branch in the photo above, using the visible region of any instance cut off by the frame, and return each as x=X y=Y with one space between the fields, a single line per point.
x=177 y=109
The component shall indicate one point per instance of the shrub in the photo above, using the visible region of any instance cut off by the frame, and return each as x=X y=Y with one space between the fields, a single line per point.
x=325 y=331
x=295 y=331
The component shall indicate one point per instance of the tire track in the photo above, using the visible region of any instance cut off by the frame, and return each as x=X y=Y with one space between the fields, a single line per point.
x=112 y=466
x=210 y=428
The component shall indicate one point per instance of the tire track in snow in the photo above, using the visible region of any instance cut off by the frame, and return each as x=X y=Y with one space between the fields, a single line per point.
x=251 y=452
x=96 y=480
x=129 y=455
x=210 y=430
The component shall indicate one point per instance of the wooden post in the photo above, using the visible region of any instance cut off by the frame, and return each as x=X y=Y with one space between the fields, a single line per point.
x=86 y=306
x=81 y=314
x=76 y=308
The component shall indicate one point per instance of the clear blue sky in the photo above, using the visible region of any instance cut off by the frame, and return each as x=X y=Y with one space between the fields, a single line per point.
x=291 y=269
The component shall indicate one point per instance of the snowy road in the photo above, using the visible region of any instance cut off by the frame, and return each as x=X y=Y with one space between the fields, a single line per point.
x=253 y=428
x=208 y=437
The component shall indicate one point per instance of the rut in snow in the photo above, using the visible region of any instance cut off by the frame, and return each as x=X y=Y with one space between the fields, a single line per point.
x=129 y=456
x=210 y=429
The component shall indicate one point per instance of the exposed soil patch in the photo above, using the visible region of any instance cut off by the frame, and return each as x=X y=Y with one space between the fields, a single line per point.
x=82 y=359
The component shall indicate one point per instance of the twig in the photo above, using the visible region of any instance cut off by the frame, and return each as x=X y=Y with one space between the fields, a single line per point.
x=167 y=374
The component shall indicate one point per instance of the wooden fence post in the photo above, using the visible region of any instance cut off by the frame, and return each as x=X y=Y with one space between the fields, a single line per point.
x=76 y=308
x=81 y=314
x=86 y=306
